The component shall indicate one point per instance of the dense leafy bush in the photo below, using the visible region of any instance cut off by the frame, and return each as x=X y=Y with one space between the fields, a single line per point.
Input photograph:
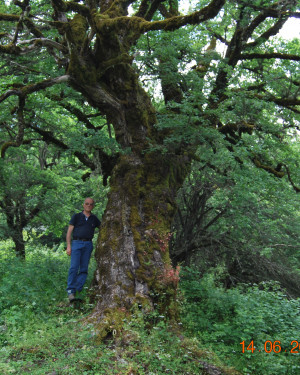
x=222 y=319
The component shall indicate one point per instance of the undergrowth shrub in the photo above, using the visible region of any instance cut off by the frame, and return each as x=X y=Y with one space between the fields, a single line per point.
x=31 y=289
x=41 y=333
x=34 y=283
x=256 y=314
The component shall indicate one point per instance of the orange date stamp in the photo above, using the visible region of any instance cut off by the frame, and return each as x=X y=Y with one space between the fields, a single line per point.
x=271 y=347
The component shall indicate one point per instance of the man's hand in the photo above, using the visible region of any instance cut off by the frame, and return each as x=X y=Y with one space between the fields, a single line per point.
x=69 y=250
x=68 y=239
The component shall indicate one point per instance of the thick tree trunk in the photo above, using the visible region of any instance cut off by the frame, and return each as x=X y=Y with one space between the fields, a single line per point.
x=133 y=264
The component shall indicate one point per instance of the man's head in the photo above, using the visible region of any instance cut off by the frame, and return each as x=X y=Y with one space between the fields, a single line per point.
x=88 y=204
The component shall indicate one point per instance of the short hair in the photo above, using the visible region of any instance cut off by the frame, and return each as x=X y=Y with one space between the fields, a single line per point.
x=91 y=199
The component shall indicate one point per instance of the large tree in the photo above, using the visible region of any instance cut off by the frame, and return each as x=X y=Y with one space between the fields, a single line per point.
x=53 y=52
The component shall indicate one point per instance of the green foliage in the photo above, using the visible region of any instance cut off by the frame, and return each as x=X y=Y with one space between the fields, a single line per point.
x=241 y=218
x=31 y=287
x=204 y=89
x=40 y=333
x=222 y=319
x=27 y=185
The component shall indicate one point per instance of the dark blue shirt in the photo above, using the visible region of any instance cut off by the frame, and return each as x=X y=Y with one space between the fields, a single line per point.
x=84 y=227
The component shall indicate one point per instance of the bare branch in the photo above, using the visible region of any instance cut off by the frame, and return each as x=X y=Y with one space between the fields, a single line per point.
x=29 y=89
x=81 y=116
x=38 y=42
x=296 y=188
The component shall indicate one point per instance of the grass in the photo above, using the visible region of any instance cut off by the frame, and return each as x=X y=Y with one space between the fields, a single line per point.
x=41 y=333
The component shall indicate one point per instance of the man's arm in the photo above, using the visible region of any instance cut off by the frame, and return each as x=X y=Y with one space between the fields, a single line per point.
x=68 y=239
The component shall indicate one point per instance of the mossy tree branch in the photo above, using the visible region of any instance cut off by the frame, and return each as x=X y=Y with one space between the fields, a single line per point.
x=273 y=55
x=172 y=23
x=66 y=6
x=290 y=103
x=277 y=172
x=9 y=17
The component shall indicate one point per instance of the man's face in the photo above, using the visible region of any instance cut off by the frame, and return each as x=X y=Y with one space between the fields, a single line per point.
x=88 y=205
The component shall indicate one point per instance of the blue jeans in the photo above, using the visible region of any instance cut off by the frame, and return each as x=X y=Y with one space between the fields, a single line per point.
x=80 y=258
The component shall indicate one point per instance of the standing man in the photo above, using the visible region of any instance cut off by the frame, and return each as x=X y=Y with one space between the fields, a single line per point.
x=82 y=225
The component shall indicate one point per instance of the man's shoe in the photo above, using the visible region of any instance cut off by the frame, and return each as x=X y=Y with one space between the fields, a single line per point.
x=71 y=297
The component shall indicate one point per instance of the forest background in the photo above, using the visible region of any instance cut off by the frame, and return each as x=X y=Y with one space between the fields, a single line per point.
x=219 y=163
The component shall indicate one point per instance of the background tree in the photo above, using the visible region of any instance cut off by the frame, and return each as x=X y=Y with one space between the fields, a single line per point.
x=244 y=229
x=32 y=198
x=55 y=52
x=23 y=193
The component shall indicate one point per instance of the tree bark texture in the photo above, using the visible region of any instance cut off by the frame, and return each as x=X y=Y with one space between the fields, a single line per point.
x=132 y=252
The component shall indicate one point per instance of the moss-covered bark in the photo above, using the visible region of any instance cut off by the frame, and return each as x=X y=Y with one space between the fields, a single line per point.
x=132 y=251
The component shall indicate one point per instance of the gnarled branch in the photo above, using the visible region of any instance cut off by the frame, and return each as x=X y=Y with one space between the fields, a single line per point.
x=29 y=89
x=275 y=171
